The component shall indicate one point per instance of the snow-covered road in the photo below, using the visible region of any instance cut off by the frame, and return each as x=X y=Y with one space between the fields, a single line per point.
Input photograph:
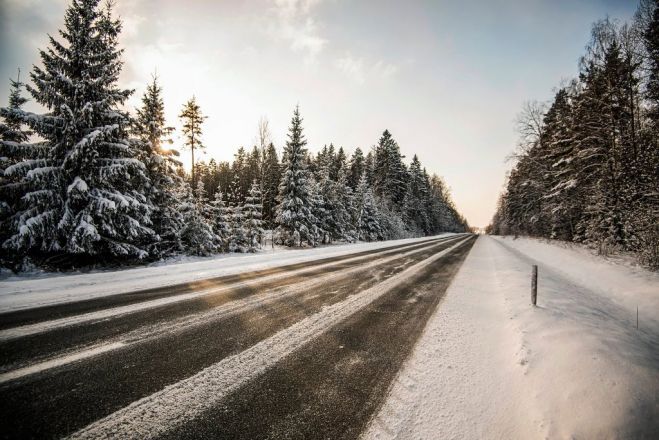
x=418 y=339
x=161 y=363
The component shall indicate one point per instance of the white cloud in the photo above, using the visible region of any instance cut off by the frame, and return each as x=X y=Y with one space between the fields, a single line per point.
x=385 y=70
x=352 y=67
x=294 y=23
x=359 y=70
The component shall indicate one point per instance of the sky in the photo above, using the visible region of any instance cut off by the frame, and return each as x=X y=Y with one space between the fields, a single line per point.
x=446 y=78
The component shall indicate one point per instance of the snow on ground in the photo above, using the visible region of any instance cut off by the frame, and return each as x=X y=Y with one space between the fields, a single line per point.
x=489 y=365
x=22 y=292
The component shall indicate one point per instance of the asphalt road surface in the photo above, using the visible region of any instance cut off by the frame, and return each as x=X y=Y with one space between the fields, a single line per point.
x=300 y=351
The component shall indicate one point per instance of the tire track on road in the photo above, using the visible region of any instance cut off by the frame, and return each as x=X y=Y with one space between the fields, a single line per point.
x=170 y=408
x=68 y=398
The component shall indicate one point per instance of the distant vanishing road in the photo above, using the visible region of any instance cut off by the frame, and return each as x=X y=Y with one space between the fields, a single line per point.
x=300 y=351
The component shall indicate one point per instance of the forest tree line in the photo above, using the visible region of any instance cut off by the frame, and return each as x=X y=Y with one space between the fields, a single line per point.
x=587 y=168
x=87 y=182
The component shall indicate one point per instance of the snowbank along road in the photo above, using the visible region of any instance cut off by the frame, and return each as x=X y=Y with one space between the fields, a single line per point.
x=307 y=350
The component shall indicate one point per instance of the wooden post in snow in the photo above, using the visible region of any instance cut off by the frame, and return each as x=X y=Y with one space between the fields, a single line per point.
x=534 y=285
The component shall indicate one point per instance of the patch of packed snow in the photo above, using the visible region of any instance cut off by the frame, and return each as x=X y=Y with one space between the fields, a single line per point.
x=490 y=365
x=23 y=292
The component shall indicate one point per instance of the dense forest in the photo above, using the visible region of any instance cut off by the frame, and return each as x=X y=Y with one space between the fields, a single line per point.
x=90 y=182
x=587 y=168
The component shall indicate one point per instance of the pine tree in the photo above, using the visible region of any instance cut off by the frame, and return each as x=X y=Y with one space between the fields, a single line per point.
x=389 y=173
x=357 y=166
x=561 y=211
x=252 y=213
x=13 y=150
x=238 y=241
x=324 y=206
x=161 y=166
x=222 y=221
x=295 y=219
x=192 y=120
x=343 y=206
x=366 y=222
x=83 y=197
x=253 y=168
x=270 y=184
x=414 y=210
x=339 y=163
x=197 y=233
x=241 y=174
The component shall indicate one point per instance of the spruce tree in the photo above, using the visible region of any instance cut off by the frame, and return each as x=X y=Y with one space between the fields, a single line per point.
x=84 y=196
x=222 y=221
x=414 y=210
x=14 y=149
x=339 y=163
x=343 y=206
x=270 y=184
x=357 y=166
x=389 y=172
x=295 y=219
x=367 y=223
x=252 y=213
x=161 y=166
x=197 y=233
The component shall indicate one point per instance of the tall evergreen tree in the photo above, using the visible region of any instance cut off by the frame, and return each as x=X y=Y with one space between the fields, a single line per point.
x=252 y=213
x=161 y=166
x=192 y=118
x=389 y=173
x=367 y=223
x=221 y=221
x=13 y=150
x=83 y=197
x=270 y=184
x=357 y=167
x=197 y=233
x=414 y=210
x=295 y=219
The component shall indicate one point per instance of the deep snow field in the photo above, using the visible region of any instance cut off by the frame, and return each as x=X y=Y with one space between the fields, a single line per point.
x=491 y=366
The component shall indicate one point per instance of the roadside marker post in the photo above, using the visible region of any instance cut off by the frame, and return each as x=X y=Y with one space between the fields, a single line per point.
x=534 y=285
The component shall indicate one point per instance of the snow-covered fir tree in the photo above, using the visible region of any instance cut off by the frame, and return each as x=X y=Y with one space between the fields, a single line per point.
x=237 y=237
x=414 y=204
x=271 y=172
x=357 y=165
x=13 y=150
x=161 y=166
x=252 y=222
x=343 y=207
x=366 y=222
x=197 y=233
x=389 y=172
x=84 y=197
x=589 y=173
x=222 y=221
x=295 y=219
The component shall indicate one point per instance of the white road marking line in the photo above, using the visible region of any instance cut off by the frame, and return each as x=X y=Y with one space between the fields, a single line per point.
x=42 y=327
x=156 y=414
